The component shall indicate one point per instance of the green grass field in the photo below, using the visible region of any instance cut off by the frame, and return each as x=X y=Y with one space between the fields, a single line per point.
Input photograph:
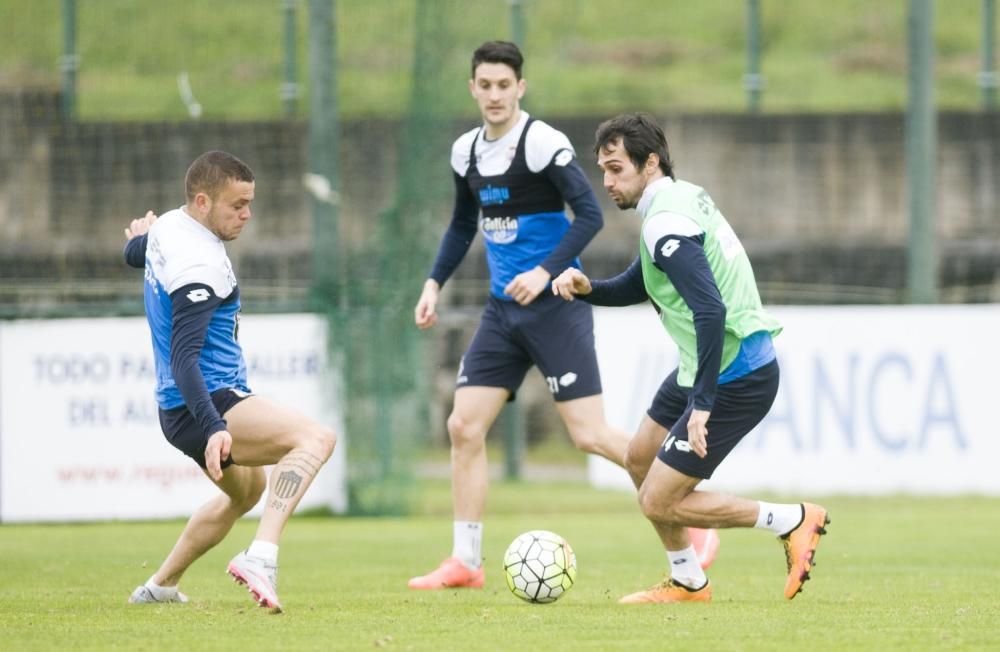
x=894 y=573
x=583 y=57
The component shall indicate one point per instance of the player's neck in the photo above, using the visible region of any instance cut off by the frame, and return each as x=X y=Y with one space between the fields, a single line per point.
x=497 y=131
x=193 y=214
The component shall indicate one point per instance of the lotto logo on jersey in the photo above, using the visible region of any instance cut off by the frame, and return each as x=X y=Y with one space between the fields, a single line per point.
x=198 y=295
x=499 y=230
x=563 y=158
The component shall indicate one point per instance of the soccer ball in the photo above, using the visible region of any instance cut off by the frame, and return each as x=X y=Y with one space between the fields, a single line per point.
x=539 y=566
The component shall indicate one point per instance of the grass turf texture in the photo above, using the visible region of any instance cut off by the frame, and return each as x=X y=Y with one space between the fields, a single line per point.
x=583 y=57
x=894 y=574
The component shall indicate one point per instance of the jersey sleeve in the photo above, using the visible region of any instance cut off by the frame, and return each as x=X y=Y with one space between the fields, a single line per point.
x=549 y=152
x=544 y=145
x=626 y=289
x=682 y=258
x=193 y=306
x=460 y=151
x=135 y=251
x=185 y=262
x=460 y=233
x=663 y=224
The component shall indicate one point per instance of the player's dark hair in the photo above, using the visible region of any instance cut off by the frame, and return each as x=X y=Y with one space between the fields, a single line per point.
x=498 y=52
x=640 y=136
x=210 y=172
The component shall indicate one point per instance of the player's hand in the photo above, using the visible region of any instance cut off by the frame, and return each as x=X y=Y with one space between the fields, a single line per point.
x=524 y=287
x=570 y=283
x=698 y=431
x=216 y=452
x=140 y=225
x=425 y=314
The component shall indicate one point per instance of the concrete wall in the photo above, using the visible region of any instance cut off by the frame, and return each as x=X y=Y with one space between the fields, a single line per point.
x=818 y=199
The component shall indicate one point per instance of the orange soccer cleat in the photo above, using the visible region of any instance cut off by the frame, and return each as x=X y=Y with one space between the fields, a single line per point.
x=706 y=545
x=800 y=547
x=669 y=591
x=451 y=574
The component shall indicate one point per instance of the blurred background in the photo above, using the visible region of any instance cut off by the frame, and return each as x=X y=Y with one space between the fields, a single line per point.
x=854 y=146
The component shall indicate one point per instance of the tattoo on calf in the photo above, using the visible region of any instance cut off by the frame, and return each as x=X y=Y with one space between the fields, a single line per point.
x=303 y=461
x=292 y=470
x=288 y=484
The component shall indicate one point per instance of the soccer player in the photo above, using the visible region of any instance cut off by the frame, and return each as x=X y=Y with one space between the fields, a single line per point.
x=513 y=176
x=694 y=269
x=205 y=405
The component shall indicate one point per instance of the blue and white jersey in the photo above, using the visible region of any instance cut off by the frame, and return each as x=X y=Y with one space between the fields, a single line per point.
x=494 y=157
x=187 y=269
x=523 y=215
x=514 y=191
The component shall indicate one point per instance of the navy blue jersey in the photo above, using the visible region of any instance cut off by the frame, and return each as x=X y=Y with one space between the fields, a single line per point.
x=514 y=190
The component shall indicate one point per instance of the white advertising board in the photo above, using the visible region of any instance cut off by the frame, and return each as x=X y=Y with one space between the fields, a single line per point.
x=873 y=400
x=79 y=432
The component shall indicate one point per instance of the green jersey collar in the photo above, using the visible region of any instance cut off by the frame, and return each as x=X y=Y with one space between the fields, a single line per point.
x=649 y=193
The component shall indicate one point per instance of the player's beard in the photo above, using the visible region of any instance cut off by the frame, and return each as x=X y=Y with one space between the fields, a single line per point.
x=217 y=224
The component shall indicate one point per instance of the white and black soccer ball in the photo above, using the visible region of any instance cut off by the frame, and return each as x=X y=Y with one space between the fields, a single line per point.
x=539 y=566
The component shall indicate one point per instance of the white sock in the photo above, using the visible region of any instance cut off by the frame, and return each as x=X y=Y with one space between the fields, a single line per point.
x=263 y=549
x=685 y=569
x=780 y=519
x=160 y=592
x=468 y=543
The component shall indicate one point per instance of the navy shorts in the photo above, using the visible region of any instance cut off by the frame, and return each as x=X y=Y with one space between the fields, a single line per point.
x=739 y=406
x=555 y=335
x=183 y=433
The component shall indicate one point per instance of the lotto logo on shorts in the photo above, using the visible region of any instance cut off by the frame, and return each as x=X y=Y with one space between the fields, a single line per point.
x=680 y=444
x=565 y=380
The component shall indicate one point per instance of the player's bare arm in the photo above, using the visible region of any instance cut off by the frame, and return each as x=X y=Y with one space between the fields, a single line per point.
x=526 y=286
x=570 y=283
x=425 y=314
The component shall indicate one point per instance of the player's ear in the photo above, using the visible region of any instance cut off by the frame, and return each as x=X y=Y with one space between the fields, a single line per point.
x=472 y=87
x=203 y=202
x=521 y=87
x=652 y=163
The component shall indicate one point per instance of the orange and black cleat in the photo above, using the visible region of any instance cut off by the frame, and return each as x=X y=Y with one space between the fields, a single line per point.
x=800 y=547
x=669 y=591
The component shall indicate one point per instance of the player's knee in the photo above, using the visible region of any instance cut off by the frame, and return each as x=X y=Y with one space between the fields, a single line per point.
x=655 y=508
x=317 y=439
x=636 y=462
x=322 y=441
x=462 y=433
x=588 y=440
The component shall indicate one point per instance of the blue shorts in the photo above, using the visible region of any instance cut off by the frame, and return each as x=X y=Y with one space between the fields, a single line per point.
x=555 y=335
x=183 y=433
x=739 y=406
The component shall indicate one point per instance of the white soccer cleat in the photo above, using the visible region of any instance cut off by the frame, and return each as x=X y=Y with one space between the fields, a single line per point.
x=143 y=595
x=259 y=576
